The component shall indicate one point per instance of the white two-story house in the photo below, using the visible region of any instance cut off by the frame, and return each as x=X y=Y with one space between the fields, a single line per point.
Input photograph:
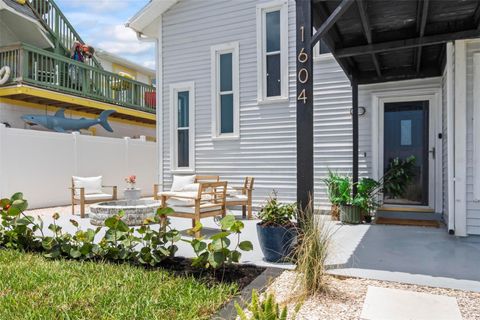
x=227 y=99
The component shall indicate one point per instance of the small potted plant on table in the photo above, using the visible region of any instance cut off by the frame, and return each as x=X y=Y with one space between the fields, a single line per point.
x=276 y=231
x=131 y=193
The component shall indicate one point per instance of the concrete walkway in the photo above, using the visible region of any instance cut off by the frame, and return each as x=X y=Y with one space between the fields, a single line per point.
x=416 y=255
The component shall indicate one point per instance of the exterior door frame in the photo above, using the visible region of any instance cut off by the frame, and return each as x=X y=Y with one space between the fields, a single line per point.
x=434 y=98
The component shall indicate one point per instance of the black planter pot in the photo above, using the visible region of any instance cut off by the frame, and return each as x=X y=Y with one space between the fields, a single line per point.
x=276 y=242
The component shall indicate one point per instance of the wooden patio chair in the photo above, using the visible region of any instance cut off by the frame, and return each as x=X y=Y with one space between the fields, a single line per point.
x=209 y=201
x=82 y=195
x=198 y=179
x=244 y=199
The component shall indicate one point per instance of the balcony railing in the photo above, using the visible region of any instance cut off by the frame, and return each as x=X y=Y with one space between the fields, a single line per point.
x=48 y=70
x=58 y=25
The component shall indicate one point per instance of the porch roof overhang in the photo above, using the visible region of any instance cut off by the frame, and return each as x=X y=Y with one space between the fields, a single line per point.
x=377 y=40
x=373 y=41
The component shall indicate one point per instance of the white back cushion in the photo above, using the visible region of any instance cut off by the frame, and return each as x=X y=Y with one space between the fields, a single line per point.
x=179 y=182
x=92 y=185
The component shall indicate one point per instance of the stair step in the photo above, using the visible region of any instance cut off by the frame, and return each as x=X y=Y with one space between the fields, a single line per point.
x=412 y=215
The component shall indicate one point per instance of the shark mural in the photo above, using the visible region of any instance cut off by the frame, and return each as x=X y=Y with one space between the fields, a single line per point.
x=59 y=123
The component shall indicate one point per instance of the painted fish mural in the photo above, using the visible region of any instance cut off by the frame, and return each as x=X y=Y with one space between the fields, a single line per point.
x=59 y=123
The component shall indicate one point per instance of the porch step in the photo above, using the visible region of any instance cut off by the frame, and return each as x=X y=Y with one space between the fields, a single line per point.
x=410 y=215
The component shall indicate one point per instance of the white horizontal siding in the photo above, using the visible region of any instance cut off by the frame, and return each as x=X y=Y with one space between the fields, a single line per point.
x=267 y=145
x=473 y=207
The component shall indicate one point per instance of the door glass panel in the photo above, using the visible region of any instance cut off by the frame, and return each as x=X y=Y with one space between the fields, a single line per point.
x=226 y=113
x=183 y=159
x=406 y=138
x=273 y=75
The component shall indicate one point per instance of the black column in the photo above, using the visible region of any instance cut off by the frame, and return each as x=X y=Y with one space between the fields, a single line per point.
x=304 y=103
x=355 y=134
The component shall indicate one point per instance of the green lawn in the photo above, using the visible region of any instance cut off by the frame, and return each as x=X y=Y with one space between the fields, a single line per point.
x=32 y=287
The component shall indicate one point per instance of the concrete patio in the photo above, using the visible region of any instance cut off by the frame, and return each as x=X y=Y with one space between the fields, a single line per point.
x=416 y=255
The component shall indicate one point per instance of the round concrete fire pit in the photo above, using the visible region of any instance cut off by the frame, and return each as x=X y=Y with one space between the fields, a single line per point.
x=135 y=211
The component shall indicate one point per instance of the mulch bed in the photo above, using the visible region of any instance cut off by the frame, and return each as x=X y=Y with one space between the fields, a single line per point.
x=241 y=274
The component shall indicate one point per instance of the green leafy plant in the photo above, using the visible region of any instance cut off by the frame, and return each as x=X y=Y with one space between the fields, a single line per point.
x=217 y=253
x=276 y=213
x=17 y=230
x=266 y=309
x=311 y=253
x=333 y=182
x=157 y=245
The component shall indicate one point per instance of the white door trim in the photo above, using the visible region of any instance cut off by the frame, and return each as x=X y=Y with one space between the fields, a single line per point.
x=434 y=96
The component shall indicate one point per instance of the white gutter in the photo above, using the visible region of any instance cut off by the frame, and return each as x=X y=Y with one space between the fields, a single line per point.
x=450 y=138
x=159 y=97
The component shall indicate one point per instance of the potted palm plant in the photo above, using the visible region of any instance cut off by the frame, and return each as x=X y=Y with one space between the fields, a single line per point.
x=277 y=233
x=333 y=192
x=355 y=209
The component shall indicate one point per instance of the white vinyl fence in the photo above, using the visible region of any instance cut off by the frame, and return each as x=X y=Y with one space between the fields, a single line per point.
x=41 y=164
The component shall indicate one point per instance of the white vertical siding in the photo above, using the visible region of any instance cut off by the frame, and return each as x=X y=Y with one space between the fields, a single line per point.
x=473 y=207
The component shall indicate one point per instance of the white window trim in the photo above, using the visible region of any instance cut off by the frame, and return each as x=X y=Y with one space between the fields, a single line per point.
x=262 y=9
x=174 y=89
x=317 y=56
x=231 y=47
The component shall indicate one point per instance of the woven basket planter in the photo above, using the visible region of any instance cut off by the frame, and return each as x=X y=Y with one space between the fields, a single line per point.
x=351 y=214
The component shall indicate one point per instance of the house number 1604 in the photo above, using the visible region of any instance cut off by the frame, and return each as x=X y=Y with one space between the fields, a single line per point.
x=302 y=74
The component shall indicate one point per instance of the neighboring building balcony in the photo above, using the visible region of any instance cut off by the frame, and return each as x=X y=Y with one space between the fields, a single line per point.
x=40 y=76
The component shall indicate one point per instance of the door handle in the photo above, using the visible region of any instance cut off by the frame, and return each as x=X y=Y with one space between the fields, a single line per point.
x=432 y=151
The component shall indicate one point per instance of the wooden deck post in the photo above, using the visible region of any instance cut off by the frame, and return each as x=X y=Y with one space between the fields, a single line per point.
x=304 y=98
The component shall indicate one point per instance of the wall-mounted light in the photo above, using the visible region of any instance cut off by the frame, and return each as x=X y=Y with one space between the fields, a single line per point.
x=361 y=111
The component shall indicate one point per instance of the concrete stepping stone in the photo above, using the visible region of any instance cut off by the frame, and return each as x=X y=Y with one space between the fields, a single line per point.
x=395 y=304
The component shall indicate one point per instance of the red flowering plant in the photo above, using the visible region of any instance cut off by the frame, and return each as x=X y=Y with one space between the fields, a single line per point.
x=131 y=180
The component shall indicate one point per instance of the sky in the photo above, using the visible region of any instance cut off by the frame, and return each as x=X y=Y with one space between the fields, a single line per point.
x=101 y=24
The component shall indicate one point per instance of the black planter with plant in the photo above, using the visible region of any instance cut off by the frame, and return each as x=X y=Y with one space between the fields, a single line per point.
x=277 y=233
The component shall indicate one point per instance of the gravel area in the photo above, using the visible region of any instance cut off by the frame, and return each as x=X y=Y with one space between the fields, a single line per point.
x=345 y=297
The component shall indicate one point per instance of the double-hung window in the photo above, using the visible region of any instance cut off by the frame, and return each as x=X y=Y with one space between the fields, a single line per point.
x=225 y=91
x=272 y=37
x=182 y=97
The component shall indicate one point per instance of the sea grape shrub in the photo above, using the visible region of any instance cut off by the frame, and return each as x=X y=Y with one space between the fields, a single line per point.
x=156 y=246
x=144 y=245
x=218 y=252
x=119 y=241
x=17 y=230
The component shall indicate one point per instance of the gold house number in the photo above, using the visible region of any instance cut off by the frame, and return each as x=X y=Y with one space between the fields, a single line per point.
x=302 y=74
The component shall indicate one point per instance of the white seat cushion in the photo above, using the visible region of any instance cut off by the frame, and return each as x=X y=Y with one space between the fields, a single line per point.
x=231 y=191
x=178 y=201
x=179 y=182
x=193 y=187
x=191 y=209
x=96 y=196
x=238 y=197
x=92 y=185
